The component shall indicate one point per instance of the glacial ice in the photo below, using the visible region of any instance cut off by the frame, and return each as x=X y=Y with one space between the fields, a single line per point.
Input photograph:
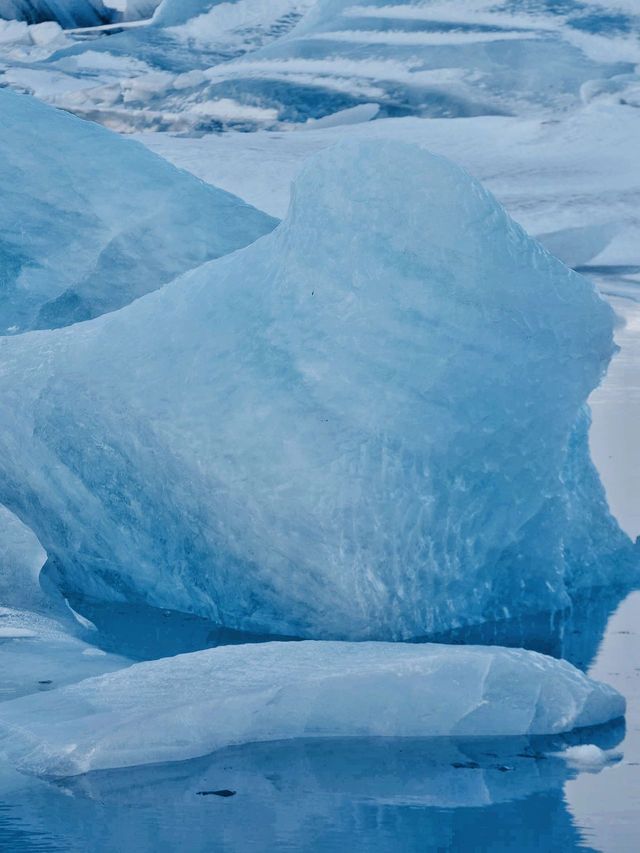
x=357 y=427
x=172 y=13
x=90 y=221
x=440 y=59
x=21 y=558
x=41 y=643
x=191 y=705
x=76 y=13
x=264 y=63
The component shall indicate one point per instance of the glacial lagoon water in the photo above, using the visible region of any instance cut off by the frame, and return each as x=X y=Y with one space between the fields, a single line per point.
x=382 y=794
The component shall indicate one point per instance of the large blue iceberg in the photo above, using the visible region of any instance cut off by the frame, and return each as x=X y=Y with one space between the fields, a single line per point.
x=368 y=424
x=90 y=221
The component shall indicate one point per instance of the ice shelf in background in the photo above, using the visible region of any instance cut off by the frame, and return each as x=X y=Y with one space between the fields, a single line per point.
x=203 y=66
x=191 y=705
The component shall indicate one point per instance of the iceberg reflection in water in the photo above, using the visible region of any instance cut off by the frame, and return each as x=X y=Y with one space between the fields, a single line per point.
x=332 y=794
x=379 y=794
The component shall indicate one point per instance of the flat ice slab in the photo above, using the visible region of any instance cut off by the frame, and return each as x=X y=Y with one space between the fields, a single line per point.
x=191 y=705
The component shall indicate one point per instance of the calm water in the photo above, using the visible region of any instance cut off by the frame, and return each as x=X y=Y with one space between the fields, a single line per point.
x=382 y=795
x=373 y=795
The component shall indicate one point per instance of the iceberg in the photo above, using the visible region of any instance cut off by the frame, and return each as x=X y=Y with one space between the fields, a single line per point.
x=21 y=558
x=546 y=174
x=191 y=705
x=90 y=221
x=42 y=643
x=365 y=425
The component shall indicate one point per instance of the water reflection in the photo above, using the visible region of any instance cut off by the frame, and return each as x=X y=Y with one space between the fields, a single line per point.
x=574 y=634
x=335 y=794
x=323 y=794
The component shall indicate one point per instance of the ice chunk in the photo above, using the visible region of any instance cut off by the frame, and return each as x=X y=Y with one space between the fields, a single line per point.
x=21 y=558
x=191 y=705
x=588 y=756
x=41 y=646
x=76 y=13
x=68 y=13
x=38 y=654
x=548 y=175
x=90 y=221
x=356 y=427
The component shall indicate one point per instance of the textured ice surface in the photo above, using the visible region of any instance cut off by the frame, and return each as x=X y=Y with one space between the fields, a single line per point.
x=173 y=13
x=90 y=221
x=439 y=59
x=203 y=65
x=191 y=705
x=150 y=74
x=356 y=427
x=76 y=13
x=68 y=13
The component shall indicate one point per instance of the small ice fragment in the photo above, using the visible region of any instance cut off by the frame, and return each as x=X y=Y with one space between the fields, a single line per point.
x=589 y=756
